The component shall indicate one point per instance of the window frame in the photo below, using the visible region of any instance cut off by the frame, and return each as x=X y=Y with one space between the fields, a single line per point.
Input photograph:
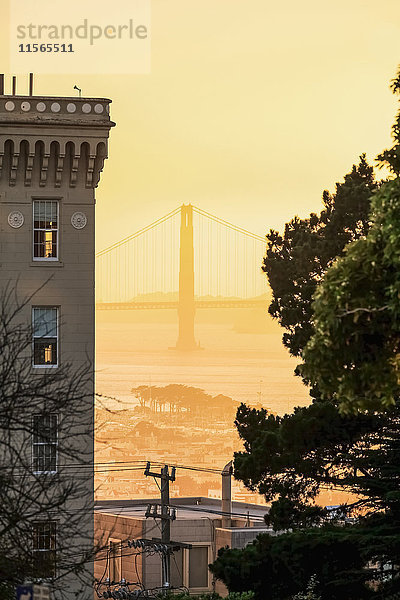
x=36 y=444
x=36 y=552
x=115 y=557
x=57 y=337
x=46 y=258
x=186 y=567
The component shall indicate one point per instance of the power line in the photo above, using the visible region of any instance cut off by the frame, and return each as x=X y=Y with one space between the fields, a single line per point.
x=139 y=465
x=158 y=463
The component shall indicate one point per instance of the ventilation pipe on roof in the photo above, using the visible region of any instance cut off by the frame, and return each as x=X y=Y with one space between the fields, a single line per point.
x=227 y=495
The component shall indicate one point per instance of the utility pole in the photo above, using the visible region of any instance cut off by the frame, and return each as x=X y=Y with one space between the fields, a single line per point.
x=166 y=516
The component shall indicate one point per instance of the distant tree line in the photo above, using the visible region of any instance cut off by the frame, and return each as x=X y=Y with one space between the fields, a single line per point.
x=178 y=398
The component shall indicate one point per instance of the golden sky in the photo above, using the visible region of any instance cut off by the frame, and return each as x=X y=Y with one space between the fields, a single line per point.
x=252 y=108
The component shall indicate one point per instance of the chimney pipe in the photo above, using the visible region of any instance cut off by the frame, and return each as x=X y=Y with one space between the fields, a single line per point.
x=2 y=84
x=14 y=85
x=31 y=84
x=227 y=494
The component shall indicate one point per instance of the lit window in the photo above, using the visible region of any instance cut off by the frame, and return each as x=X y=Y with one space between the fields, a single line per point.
x=44 y=443
x=44 y=548
x=45 y=335
x=115 y=560
x=45 y=229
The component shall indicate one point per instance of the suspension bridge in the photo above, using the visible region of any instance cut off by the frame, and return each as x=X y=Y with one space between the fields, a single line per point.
x=187 y=260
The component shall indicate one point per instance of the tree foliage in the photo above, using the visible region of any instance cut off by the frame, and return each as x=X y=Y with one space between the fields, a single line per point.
x=350 y=351
x=353 y=354
x=277 y=567
x=311 y=591
x=296 y=261
x=289 y=459
x=179 y=398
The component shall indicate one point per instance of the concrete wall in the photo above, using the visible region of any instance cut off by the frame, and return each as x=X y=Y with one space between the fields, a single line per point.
x=201 y=531
x=123 y=529
x=191 y=531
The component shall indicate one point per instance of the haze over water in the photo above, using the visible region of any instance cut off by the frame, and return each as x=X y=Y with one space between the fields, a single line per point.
x=250 y=367
x=234 y=361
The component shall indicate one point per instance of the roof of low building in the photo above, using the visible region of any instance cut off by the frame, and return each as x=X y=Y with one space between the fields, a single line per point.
x=196 y=507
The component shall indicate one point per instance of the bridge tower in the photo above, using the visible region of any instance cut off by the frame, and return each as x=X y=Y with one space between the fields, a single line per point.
x=186 y=308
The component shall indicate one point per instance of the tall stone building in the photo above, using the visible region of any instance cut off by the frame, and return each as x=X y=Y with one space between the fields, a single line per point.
x=52 y=152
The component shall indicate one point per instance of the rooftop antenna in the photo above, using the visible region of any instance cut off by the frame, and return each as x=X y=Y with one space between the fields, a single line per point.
x=79 y=90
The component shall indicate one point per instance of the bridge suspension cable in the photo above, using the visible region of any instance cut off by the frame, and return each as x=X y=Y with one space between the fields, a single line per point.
x=142 y=269
x=241 y=230
x=138 y=233
x=228 y=259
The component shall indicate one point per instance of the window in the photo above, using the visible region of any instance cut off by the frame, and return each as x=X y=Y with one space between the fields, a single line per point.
x=44 y=548
x=44 y=443
x=198 y=567
x=45 y=335
x=189 y=568
x=115 y=559
x=45 y=230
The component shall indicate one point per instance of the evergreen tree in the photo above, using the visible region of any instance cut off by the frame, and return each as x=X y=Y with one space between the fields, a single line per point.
x=353 y=353
x=349 y=342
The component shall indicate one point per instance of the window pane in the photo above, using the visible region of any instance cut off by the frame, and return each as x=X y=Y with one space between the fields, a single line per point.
x=50 y=243
x=38 y=244
x=45 y=428
x=176 y=578
x=198 y=567
x=44 y=458
x=44 y=450
x=45 y=224
x=45 y=351
x=44 y=535
x=44 y=546
x=45 y=213
x=51 y=215
x=45 y=244
x=44 y=322
x=38 y=214
x=45 y=336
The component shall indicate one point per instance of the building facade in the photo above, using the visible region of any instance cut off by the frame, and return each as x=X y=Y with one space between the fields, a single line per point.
x=52 y=152
x=199 y=524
